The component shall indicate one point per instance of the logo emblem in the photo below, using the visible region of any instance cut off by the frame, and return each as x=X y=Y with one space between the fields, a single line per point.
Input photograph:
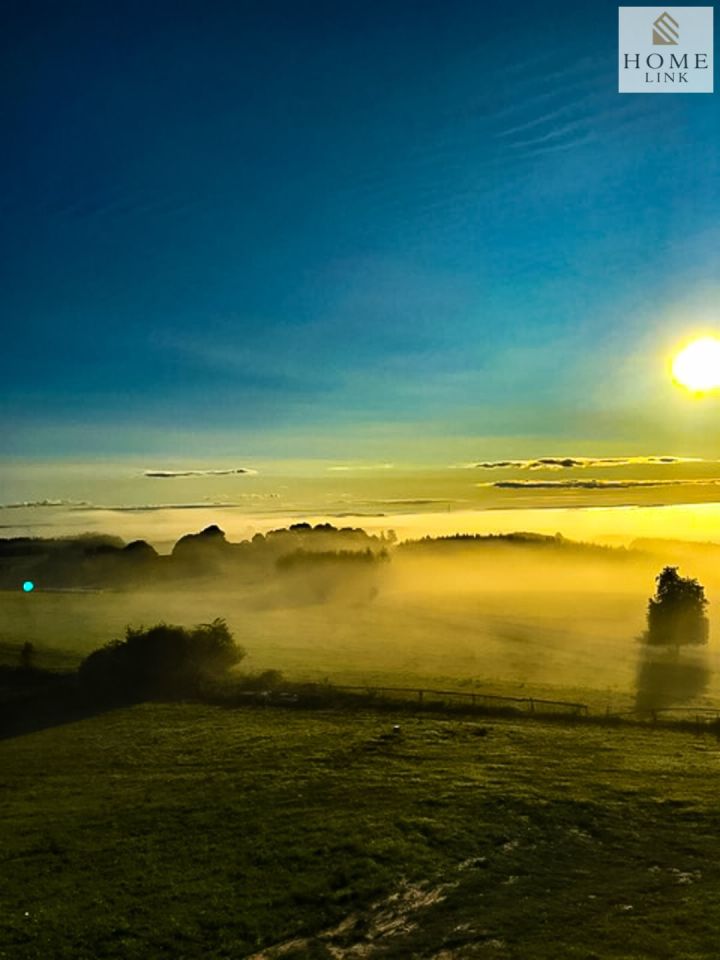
x=665 y=49
x=666 y=31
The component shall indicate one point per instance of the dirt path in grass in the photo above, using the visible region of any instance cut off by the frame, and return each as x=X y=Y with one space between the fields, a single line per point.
x=361 y=936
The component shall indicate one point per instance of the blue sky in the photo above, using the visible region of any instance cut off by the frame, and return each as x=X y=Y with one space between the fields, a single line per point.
x=345 y=230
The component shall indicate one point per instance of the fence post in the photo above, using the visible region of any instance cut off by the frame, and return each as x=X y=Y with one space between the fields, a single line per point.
x=532 y=705
x=420 y=695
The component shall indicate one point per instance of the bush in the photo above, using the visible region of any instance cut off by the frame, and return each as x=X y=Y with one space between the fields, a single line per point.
x=164 y=660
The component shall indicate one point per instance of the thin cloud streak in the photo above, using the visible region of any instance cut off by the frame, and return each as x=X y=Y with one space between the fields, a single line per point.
x=579 y=484
x=85 y=506
x=343 y=468
x=31 y=504
x=567 y=463
x=168 y=474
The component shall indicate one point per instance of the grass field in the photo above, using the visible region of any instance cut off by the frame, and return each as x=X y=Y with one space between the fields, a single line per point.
x=190 y=831
x=575 y=646
x=557 y=644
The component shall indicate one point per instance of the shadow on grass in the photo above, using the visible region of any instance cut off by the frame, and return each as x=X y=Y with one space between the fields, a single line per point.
x=33 y=700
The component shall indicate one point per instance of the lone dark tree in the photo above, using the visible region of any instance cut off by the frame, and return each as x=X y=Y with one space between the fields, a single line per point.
x=27 y=656
x=676 y=614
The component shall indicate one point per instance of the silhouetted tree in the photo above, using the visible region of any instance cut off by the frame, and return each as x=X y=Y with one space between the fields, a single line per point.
x=676 y=614
x=140 y=550
x=675 y=619
x=165 y=660
x=27 y=656
x=209 y=541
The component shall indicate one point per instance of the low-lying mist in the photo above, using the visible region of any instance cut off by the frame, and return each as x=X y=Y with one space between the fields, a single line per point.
x=519 y=612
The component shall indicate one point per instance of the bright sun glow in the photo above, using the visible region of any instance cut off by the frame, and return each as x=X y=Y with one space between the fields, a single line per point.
x=697 y=367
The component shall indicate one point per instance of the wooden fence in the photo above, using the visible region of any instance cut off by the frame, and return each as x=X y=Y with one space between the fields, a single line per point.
x=700 y=716
x=426 y=696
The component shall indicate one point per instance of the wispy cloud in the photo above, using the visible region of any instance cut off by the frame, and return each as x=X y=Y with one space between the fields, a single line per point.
x=197 y=505
x=568 y=463
x=86 y=506
x=344 y=468
x=413 y=502
x=165 y=474
x=149 y=507
x=29 y=504
x=594 y=484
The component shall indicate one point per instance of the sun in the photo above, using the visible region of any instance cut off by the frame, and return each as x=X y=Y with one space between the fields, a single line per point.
x=697 y=366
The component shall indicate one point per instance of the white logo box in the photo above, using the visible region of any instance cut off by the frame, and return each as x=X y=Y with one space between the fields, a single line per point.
x=665 y=50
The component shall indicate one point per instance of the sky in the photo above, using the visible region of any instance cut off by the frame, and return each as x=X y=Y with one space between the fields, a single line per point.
x=360 y=233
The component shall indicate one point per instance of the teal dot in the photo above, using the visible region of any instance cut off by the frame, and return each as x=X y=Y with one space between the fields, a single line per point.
x=28 y=586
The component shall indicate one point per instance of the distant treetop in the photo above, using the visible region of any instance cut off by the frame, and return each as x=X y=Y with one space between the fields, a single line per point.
x=676 y=613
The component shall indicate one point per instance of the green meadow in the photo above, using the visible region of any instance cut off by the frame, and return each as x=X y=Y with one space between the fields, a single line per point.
x=189 y=831
x=578 y=647
x=575 y=644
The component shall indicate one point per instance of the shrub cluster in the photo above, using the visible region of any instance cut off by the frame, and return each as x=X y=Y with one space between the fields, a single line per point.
x=164 y=660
